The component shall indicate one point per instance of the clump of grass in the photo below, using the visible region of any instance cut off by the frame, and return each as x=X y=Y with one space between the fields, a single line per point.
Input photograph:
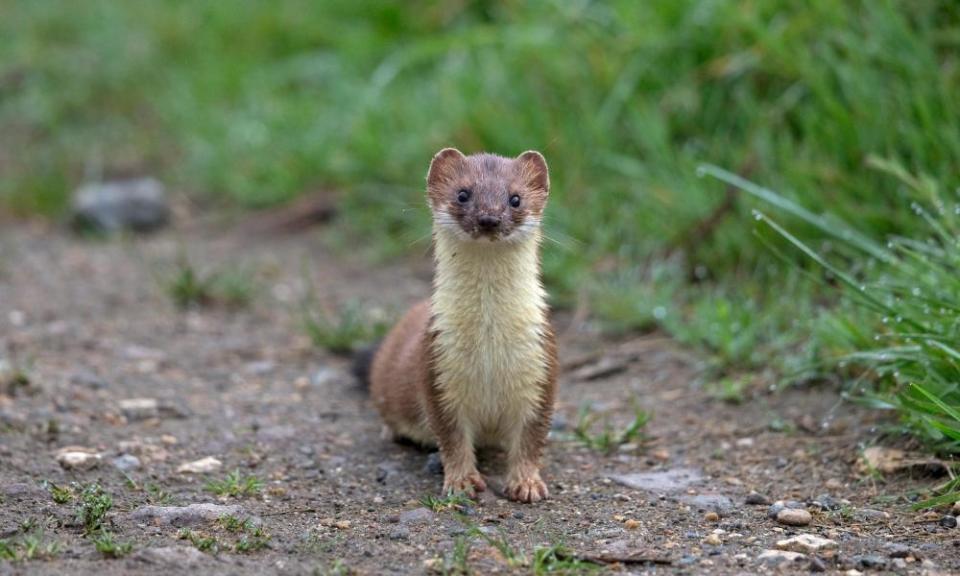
x=108 y=545
x=92 y=508
x=200 y=541
x=501 y=542
x=340 y=333
x=189 y=288
x=59 y=494
x=458 y=561
x=14 y=379
x=232 y=523
x=557 y=559
x=30 y=543
x=608 y=440
x=729 y=389
x=156 y=494
x=253 y=539
x=236 y=485
x=899 y=320
x=456 y=501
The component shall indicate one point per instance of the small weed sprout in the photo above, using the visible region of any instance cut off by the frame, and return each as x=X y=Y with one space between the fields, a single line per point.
x=236 y=485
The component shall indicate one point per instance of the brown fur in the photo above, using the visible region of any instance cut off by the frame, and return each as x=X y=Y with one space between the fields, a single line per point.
x=404 y=381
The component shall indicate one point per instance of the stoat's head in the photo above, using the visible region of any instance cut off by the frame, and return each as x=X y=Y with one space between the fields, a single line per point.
x=485 y=197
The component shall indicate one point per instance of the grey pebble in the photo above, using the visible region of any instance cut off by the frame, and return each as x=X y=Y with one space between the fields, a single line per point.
x=136 y=204
x=416 y=516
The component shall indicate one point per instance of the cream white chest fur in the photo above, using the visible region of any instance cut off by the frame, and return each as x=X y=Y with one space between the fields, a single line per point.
x=489 y=308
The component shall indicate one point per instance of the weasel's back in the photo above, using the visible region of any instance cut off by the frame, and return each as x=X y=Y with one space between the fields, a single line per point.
x=400 y=374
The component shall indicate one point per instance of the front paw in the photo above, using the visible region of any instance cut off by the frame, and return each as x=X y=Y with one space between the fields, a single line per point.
x=527 y=488
x=469 y=484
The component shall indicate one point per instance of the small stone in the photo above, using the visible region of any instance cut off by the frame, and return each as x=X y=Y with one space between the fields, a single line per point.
x=180 y=516
x=400 y=533
x=870 y=562
x=327 y=376
x=126 y=462
x=168 y=439
x=718 y=503
x=173 y=556
x=870 y=515
x=75 y=458
x=713 y=540
x=817 y=564
x=135 y=204
x=744 y=443
x=201 y=466
x=756 y=499
x=780 y=556
x=794 y=517
x=956 y=509
x=833 y=484
x=826 y=502
x=948 y=521
x=342 y=524
x=631 y=524
x=711 y=517
x=897 y=550
x=779 y=505
x=807 y=543
x=416 y=516
x=853 y=572
x=139 y=408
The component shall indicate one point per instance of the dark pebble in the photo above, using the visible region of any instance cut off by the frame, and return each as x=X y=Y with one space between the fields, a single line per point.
x=870 y=562
x=756 y=499
x=899 y=551
x=400 y=533
x=817 y=564
x=825 y=502
x=948 y=521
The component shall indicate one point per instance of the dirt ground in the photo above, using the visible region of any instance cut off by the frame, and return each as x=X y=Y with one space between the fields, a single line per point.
x=91 y=326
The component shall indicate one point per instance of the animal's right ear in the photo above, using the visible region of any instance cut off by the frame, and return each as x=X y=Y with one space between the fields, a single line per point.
x=444 y=166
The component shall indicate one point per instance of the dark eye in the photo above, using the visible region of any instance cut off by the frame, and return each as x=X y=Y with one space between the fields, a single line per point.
x=515 y=201
x=463 y=196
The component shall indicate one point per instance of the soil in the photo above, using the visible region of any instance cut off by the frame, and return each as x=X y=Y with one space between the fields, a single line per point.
x=90 y=324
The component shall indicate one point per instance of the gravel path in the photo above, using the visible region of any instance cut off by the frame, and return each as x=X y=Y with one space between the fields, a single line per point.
x=122 y=390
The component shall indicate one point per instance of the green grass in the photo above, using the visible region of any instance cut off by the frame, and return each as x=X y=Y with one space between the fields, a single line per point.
x=108 y=545
x=260 y=103
x=456 y=501
x=607 y=440
x=894 y=334
x=236 y=485
x=59 y=494
x=189 y=288
x=93 y=503
x=200 y=541
x=28 y=544
x=343 y=331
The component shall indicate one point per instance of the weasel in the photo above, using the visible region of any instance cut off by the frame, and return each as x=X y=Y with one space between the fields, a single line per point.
x=476 y=364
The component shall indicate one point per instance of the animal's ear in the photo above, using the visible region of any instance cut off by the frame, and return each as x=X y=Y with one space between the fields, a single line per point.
x=534 y=171
x=444 y=167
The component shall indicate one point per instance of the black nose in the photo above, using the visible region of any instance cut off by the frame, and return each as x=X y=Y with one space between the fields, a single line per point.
x=488 y=223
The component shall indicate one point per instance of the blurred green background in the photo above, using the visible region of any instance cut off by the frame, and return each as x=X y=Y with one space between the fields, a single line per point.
x=252 y=104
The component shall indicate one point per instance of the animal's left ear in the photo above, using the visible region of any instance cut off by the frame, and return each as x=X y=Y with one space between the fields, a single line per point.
x=534 y=171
